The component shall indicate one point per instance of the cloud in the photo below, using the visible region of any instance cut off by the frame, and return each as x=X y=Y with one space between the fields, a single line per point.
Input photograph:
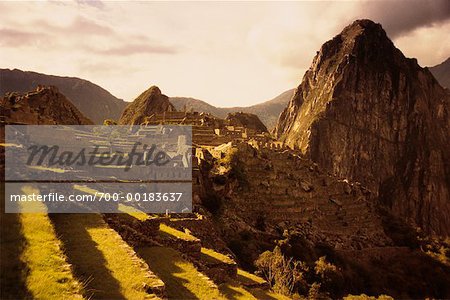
x=230 y=53
x=400 y=17
x=86 y=26
x=80 y=26
x=418 y=42
x=83 y=34
x=14 y=38
x=94 y=3
x=20 y=38
x=136 y=48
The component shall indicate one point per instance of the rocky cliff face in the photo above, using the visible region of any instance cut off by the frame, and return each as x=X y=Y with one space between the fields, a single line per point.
x=44 y=106
x=246 y=120
x=93 y=101
x=365 y=112
x=264 y=197
x=152 y=101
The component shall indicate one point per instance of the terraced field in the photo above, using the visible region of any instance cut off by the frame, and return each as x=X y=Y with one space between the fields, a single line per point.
x=76 y=256
x=33 y=264
x=82 y=256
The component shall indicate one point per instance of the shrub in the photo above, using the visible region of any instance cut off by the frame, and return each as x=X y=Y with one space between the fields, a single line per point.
x=283 y=274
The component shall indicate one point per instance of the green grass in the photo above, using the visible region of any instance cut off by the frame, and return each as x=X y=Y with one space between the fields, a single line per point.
x=136 y=213
x=215 y=257
x=267 y=295
x=233 y=290
x=101 y=258
x=163 y=228
x=245 y=278
x=248 y=278
x=182 y=279
x=45 y=271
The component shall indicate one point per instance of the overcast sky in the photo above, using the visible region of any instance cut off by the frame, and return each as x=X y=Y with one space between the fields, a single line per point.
x=226 y=53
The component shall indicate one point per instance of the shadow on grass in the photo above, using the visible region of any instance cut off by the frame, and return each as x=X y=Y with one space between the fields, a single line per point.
x=230 y=292
x=12 y=241
x=88 y=262
x=261 y=294
x=164 y=263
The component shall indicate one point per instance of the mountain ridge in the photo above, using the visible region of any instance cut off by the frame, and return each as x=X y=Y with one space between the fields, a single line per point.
x=43 y=106
x=442 y=73
x=375 y=117
x=92 y=100
x=151 y=101
x=268 y=111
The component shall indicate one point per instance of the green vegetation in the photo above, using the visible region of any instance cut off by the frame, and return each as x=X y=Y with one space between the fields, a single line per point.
x=283 y=274
x=134 y=212
x=248 y=278
x=234 y=166
x=49 y=275
x=182 y=279
x=174 y=233
x=33 y=264
x=106 y=264
x=233 y=290
x=290 y=277
x=215 y=257
x=437 y=247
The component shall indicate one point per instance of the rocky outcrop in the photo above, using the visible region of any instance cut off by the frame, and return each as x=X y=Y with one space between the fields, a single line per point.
x=150 y=102
x=246 y=120
x=92 y=100
x=44 y=106
x=268 y=197
x=366 y=112
x=442 y=73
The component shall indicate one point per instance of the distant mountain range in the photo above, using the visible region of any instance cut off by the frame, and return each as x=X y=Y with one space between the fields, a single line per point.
x=98 y=104
x=93 y=101
x=442 y=73
x=267 y=111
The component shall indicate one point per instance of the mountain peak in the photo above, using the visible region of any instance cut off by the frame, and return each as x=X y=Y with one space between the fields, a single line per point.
x=152 y=101
x=358 y=40
x=364 y=24
x=44 y=106
x=367 y=113
x=154 y=90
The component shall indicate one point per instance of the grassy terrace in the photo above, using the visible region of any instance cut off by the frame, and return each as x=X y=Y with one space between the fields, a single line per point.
x=106 y=264
x=248 y=278
x=229 y=290
x=182 y=279
x=212 y=256
x=174 y=233
x=134 y=212
x=33 y=264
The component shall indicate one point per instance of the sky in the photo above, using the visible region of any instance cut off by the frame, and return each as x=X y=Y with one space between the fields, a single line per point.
x=225 y=53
